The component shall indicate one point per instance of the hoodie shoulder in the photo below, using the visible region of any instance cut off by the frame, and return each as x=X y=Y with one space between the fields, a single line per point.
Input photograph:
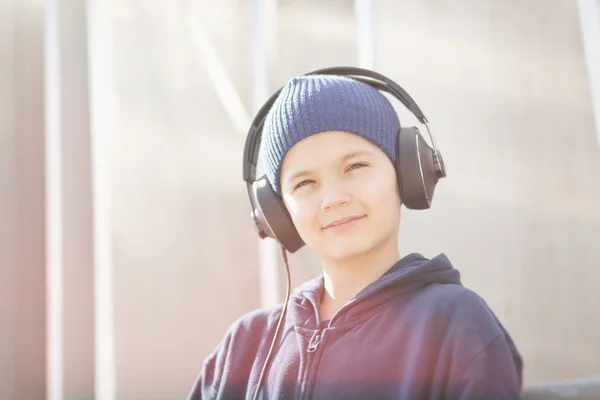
x=444 y=297
x=462 y=310
x=486 y=357
x=244 y=334
x=260 y=318
x=465 y=320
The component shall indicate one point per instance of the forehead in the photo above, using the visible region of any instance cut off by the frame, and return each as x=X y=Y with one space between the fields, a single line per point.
x=322 y=149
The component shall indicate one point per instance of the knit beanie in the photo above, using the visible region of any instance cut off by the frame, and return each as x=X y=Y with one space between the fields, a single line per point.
x=313 y=104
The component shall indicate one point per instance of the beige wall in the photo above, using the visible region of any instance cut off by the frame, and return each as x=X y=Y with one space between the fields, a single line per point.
x=22 y=277
x=185 y=258
x=23 y=215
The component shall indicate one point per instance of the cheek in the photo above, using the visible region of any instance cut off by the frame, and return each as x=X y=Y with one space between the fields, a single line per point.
x=382 y=198
x=302 y=211
x=291 y=204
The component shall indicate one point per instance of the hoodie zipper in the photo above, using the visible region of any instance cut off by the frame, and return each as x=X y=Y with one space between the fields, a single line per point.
x=313 y=345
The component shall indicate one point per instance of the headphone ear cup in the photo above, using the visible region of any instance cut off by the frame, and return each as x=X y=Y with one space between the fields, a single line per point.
x=271 y=219
x=416 y=169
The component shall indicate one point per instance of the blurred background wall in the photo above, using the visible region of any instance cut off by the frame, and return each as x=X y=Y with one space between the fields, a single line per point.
x=504 y=84
x=22 y=269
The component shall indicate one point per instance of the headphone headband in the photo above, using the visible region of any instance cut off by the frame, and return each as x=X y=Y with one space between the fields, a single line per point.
x=378 y=81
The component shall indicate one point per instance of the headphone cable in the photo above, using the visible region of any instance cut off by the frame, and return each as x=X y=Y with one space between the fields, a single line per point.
x=281 y=317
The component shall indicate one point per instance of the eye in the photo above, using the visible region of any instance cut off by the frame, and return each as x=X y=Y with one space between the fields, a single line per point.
x=303 y=183
x=355 y=166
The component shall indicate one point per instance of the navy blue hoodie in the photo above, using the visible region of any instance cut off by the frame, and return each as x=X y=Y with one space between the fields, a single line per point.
x=415 y=333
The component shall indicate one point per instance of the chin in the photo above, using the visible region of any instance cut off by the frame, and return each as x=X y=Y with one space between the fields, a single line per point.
x=344 y=248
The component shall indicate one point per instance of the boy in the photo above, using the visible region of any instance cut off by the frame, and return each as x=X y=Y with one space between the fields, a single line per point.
x=375 y=325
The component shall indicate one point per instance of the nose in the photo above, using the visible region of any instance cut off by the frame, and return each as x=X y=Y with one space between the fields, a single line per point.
x=334 y=195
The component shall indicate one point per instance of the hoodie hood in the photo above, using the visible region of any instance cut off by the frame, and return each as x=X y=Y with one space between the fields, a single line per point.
x=411 y=272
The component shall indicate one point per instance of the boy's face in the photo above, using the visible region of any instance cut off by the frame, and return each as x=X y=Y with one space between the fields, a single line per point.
x=341 y=192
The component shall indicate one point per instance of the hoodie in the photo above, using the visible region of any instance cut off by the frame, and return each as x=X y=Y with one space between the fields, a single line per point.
x=415 y=333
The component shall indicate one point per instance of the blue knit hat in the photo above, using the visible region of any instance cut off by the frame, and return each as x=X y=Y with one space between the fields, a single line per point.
x=312 y=104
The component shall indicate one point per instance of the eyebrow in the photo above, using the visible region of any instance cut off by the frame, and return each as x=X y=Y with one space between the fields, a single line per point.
x=345 y=157
x=356 y=154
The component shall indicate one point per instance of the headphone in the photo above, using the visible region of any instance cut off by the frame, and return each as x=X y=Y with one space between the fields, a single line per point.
x=419 y=166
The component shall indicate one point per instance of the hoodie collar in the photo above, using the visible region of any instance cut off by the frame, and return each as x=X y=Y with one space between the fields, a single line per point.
x=411 y=272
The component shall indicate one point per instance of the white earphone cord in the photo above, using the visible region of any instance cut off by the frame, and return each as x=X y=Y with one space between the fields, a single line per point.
x=281 y=317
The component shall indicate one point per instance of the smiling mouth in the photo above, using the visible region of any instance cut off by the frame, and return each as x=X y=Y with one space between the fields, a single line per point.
x=343 y=223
